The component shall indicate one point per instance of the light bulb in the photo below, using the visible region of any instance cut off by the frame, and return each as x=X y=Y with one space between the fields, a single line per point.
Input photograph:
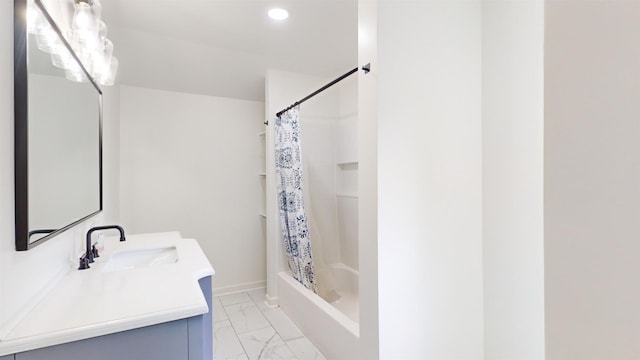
x=48 y=40
x=108 y=78
x=96 y=7
x=84 y=24
x=34 y=18
x=82 y=19
x=102 y=32
x=76 y=75
x=278 y=14
x=63 y=59
x=102 y=63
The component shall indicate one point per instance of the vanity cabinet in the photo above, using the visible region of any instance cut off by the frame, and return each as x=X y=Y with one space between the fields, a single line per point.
x=162 y=342
x=7 y=357
x=185 y=339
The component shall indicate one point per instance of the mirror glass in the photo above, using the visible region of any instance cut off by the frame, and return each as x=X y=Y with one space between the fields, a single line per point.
x=62 y=157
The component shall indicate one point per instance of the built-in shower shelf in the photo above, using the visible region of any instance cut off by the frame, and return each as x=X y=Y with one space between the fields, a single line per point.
x=263 y=215
x=262 y=174
x=262 y=133
x=346 y=195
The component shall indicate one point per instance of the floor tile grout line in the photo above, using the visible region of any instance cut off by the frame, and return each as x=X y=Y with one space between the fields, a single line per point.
x=286 y=342
x=276 y=332
x=233 y=328
x=225 y=311
x=267 y=344
x=294 y=353
x=238 y=337
x=248 y=331
x=261 y=313
x=270 y=322
x=219 y=296
x=236 y=331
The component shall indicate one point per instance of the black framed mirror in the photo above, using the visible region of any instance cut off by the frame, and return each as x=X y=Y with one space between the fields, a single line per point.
x=58 y=137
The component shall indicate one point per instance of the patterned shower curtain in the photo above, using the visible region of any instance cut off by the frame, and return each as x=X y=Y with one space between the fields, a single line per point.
x=293 y=220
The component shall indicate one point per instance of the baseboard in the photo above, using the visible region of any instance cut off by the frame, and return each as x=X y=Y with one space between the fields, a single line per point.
x=271 y=301
x=227 y=290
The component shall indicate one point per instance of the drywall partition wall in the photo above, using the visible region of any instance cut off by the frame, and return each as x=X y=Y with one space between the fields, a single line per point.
x=430 y=180
x=25 y=276
x=6 y=150
x=190 y=163
x=368 y=179
x=512 y=152
x=592 y=177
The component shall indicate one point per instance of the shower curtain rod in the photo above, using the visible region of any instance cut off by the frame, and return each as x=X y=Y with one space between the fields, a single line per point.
x=366 y=68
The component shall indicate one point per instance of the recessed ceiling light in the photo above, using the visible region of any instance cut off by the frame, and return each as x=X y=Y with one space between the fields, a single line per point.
x=278 y=14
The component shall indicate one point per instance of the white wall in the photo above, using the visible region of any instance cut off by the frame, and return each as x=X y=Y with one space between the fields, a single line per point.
x=592 y=177
x=368 y=179
x=25 y=275
x=190 y=163
x=430 y=180
x=6 y=152
x=111 y=153
x=512 y=151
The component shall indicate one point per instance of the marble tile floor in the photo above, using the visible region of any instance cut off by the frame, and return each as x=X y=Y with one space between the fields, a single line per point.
x=245 y=328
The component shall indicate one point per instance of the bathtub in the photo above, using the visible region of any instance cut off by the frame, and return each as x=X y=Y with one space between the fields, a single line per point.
x=331 y=324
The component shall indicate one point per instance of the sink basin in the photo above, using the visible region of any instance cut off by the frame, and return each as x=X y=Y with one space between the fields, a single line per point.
x=133 y=259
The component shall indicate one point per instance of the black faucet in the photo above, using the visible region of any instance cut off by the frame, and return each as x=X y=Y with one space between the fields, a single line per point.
x=92 y=252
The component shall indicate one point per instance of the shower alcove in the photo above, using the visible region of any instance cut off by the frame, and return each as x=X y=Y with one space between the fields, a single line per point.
x=329 y=127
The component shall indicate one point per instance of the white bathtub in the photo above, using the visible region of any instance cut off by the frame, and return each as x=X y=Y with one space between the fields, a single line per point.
x=331 y=327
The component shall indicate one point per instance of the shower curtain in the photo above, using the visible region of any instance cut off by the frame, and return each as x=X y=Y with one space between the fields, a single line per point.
x=293 y=220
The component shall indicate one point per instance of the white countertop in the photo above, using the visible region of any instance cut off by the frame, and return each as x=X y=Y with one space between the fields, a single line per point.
x=89 y=303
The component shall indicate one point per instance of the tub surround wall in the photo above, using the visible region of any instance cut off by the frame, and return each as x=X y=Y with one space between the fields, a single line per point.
x=330 y=154
x=329 y=127
x=346 y=172
x=319 y=185
x=282 y=89
x=190 y=162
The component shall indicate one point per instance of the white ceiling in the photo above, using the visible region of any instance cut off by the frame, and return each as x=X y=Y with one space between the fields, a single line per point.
x=224 y=47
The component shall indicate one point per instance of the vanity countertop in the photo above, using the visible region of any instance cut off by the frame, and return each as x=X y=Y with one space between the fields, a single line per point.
x=93 y=302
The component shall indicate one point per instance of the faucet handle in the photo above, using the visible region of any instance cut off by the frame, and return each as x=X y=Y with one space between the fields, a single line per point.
x=94 y=251
x=84 y=263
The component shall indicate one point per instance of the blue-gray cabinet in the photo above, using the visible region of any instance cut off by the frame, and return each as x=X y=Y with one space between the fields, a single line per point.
x=185 y=339
x=7 y=357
